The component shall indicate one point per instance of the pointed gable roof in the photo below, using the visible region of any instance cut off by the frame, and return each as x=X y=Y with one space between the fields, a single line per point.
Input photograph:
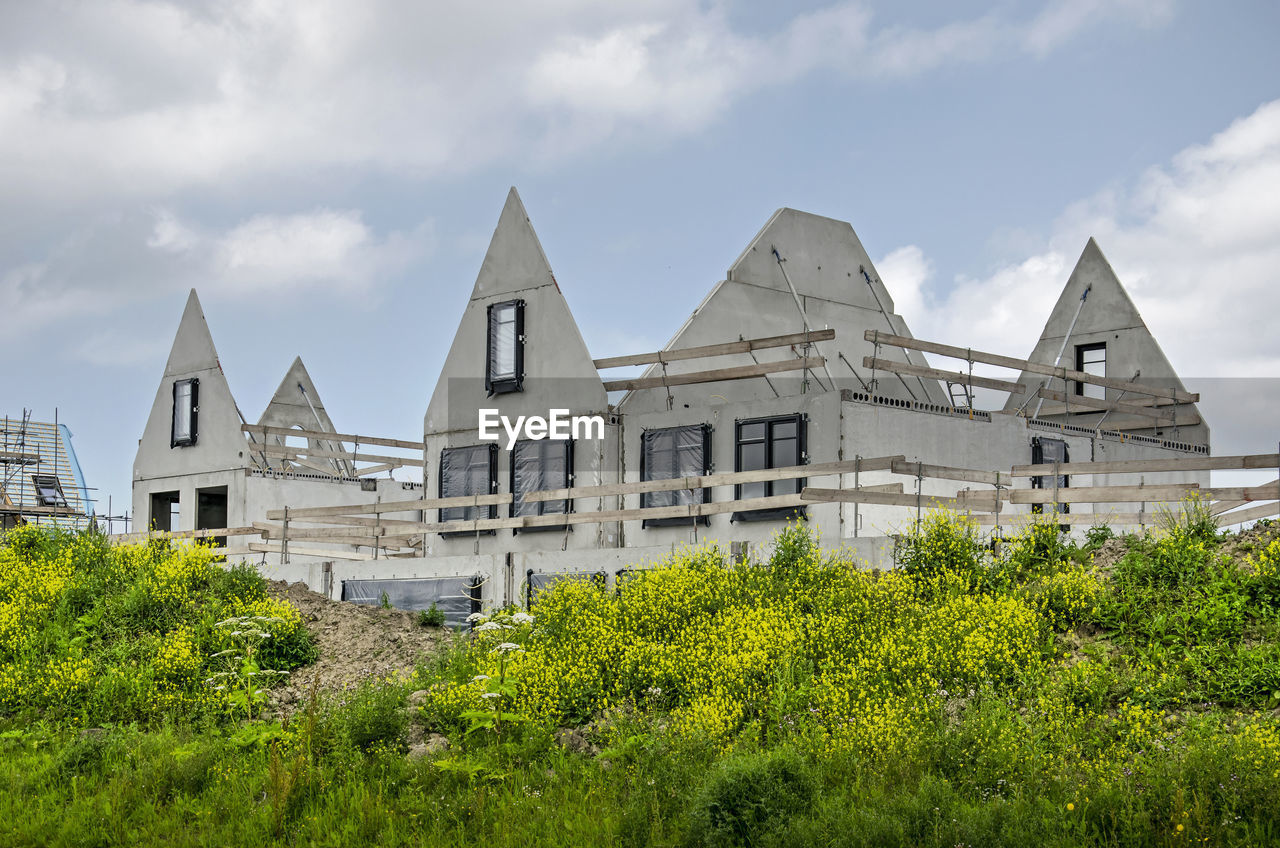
x=837 y=283
x=1109 y=316
x=220 y=443
x=297 y=403
x=515 y=259
x=559 y=371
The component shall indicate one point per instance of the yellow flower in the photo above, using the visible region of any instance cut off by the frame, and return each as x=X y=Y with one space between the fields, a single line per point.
x=1070 y=806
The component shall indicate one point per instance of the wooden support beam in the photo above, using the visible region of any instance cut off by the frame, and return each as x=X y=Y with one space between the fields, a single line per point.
x=1252 y=514
x=132 y=538
x=1025 y=365
x=728 y=478
x=978 y=502
x=1081 y=404
x=275 y=547
x=376 y=469
x=263 y=431
x=1138 y=466
x=61 y=511
x=943 y=472
x=293 y=453
x=724 y=349
x=791 y=472
x=739 y=372
x=937 y=374
x=1016 y=519
x=1104 y=494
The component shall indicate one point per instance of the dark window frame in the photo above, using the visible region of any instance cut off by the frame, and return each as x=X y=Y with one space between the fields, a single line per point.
x=515 y=383
x=541 y=505
x=193 y=431
x=1081 y=350
x=801 y=422
x=492 y=450
x=706 y=469
x=1045 y=481
x=45 y=481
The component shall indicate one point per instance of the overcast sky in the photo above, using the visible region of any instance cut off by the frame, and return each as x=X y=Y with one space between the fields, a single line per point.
x=327 y=175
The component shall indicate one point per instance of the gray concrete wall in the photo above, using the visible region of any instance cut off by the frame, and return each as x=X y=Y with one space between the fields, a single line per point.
x=1109 y=315
x=220 y=444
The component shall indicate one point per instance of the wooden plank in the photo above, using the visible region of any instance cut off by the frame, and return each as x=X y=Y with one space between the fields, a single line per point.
x=132 y=538
x=16 y=458
x=791 y=472
x=937 y=374
x=1264 y=511
x=376 y=469
x=723 y=349
x=63 y=511
x=292 y=453
x=739 y=372
x=1138 y=466
x=263 y=431
x=980 y=502
x=728 y=478
x=943 y=472
x=1104 y=494
x=274 y=548
x=1082 y=404
x=1025 y=365
x=1016 y=519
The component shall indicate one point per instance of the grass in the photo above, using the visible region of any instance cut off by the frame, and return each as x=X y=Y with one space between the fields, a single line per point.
x=963 y=700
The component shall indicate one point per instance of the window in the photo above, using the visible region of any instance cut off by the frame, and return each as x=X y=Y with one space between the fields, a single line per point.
x=211 y=512
x=671 y=453
x=468 y=471
x=186 y=409
x=536 y=465
x=769 y=443
x=1092 y=359
x=48 y=490
x=1047 y=451
x=504 y=357
x=164 y=511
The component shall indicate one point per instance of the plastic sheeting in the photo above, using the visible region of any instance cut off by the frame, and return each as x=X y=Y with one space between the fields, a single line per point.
x=467 y=471
x=456 y=597
x=537 y=465
x=670 y=453
x=536 y=582
x=1044 y=451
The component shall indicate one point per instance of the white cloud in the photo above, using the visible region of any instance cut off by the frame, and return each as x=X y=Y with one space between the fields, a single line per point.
x=119 y=260
x=125 y=98
x=1196 y=242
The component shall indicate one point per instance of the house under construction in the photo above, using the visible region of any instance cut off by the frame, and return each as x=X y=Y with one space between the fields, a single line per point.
x=793 y=391
x=42 y=482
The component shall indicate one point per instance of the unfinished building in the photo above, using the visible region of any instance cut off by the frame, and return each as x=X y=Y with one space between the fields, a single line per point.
x=793 y=391
x=42 y=482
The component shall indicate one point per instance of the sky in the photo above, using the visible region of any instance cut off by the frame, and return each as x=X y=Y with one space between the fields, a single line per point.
x=327 y=176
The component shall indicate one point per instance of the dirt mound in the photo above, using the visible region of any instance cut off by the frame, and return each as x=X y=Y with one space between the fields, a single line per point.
x=355 y=642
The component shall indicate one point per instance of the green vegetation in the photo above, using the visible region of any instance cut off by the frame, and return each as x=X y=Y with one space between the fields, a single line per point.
x=1034 y=697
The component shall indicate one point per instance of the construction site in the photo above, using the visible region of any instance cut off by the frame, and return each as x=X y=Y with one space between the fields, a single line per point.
x=43 y=483
x=794 y=391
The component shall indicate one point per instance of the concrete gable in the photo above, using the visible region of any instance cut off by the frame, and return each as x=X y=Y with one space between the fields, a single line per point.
x=825 y=262
x=823 y=257
x=297 y=403
x=558 y=369
x=220 y=444
x=1108 y=316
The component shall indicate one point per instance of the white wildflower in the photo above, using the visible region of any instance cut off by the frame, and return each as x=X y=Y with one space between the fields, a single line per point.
x=488 y=625
x=475 y=616
x=522 y=618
